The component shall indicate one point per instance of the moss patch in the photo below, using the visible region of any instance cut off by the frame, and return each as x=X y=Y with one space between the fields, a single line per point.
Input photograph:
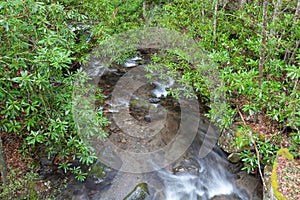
x=140 y=192
x=285 y=176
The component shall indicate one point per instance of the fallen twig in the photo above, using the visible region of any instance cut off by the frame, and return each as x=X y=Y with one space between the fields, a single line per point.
x=256 y=151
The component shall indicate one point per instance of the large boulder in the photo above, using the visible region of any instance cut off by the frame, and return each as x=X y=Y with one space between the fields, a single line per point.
x=285 y=176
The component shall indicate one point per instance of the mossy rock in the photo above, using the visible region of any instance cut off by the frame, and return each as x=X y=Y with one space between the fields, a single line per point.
x=284 y=152
x=98 y=169
x=140 y=192
x=141 y=104
x=234 y=157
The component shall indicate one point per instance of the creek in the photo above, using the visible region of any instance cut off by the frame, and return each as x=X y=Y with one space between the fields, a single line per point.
x=136 y=127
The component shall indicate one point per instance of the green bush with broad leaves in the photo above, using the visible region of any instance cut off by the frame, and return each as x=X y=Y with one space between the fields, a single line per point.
x=38 y=52
x=44 y=43
x=233 y=36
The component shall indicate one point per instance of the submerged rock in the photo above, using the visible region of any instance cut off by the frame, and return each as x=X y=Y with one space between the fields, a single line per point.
x=185 y=170
x=140 y=192
x=226 y=197
x=187 y=166
x=141 y=104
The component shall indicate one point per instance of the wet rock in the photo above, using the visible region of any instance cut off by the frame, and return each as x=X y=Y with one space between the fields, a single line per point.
x=154 y=100
x=185 y=170
x=141 y=104
x=187 y=166
x=234 y=158
x=160 y=90
x=140 y=192
x=75 y=191
x=226 y=197
x=80 y=194
x=130 y=63
x=99 y=176
x=98 y=172
x=108 y=156
x=251 y=185
x=168 y=133
x=226 y=139
x=147 y=118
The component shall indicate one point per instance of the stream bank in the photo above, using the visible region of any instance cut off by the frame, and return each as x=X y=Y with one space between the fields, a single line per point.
x=188 y=177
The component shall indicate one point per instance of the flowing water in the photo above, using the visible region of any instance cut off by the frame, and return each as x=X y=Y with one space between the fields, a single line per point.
x=189 y=177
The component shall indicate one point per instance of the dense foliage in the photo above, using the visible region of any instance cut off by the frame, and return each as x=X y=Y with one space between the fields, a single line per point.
x=43 y=43
x=267 y=101
x=38 y=49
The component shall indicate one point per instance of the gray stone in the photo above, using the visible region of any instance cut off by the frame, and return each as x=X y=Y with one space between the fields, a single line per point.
x=140 y=192
x=268 y=194
x=226 y=139
x=234 y=158
x=251 y=185
x=226 y=197
x=130 y=63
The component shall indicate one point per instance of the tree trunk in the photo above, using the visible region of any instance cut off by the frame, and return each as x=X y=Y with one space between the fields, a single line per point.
x=297 y=12
x=262 y=59
x=242 y=4
x=144 y=12
x=289 y=53
x=275 y=15
x=215 y=18
x=3 y=168
x=273 y=31
x=263 y=42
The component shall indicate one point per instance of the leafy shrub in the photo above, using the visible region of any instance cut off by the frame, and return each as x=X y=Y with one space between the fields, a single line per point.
x=236 y=47
x=38 y=51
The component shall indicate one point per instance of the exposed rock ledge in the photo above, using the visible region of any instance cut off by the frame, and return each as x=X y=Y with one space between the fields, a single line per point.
x=225 y=140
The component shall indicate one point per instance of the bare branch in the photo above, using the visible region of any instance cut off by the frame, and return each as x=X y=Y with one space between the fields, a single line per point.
x=215 y=17
x=256 y=151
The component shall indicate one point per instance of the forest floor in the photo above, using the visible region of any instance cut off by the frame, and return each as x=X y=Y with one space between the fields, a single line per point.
x=18 y=165
x=288 y=178
x=14 y=159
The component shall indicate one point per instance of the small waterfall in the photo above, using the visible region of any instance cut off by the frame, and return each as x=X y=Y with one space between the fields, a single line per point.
x=194 y=176
x=205 y=179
